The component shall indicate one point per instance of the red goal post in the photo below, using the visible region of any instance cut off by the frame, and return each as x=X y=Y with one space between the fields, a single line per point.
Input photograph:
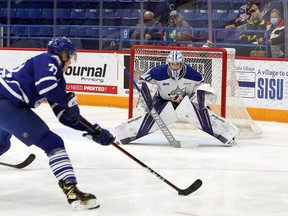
x=217 y=66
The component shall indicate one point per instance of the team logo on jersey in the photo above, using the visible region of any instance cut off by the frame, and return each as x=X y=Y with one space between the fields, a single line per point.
x=177 y=94
x=25 y=135
x=37 y=103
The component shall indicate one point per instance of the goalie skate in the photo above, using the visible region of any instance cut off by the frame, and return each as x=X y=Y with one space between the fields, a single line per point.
x=77 y=199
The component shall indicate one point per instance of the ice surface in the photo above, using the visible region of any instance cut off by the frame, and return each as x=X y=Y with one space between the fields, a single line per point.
x=247 y=179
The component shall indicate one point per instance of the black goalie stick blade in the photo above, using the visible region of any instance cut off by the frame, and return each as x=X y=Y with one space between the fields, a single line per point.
x=21 y=165
x=192 y=188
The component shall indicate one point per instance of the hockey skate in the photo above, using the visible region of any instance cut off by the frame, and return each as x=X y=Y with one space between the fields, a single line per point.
x=231 y=143
x=77 y=199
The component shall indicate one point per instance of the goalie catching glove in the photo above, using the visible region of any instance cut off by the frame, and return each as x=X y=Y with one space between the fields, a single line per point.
x=99 y=135
x=205 y=95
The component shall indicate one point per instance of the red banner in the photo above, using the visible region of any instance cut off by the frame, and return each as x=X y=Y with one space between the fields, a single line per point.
x=91 y=88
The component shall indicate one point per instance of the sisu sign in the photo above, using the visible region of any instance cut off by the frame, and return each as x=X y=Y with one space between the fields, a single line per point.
x=263 y=84
x=270 y=84
x=270 y=88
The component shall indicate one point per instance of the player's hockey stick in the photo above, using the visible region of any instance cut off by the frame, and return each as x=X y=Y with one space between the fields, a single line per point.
x=21 y=165
x=193 y=187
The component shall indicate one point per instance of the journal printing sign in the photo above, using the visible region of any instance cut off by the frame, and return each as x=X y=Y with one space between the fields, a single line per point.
x=91 y=73
x=263 y=84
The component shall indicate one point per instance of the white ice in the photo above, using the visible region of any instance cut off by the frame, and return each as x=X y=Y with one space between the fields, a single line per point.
x=250 y=178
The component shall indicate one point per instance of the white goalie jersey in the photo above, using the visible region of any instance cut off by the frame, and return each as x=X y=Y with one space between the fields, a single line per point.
x=171 y=89
x=180 y=92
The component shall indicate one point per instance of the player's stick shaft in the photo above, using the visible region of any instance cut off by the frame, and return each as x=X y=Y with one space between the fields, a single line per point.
x=197 y=184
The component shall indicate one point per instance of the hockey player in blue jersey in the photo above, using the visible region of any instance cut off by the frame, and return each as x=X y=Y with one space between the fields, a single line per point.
x=39 y=79
x=180 y=91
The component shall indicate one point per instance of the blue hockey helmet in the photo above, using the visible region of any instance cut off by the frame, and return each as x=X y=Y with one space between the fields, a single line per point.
x=59 y=45
x=175 y=61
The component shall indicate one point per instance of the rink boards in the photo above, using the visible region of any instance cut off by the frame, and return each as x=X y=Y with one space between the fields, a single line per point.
x=98 y=79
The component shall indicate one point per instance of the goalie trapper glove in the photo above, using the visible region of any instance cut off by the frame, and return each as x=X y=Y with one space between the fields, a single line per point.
x=72 y=111
x=100 y=135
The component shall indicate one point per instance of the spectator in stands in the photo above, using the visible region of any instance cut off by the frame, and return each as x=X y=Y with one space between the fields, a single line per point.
x=244 y=14
x=151 y=30
x=178 y=33
x=256 y=22
x=276 y=32
x=267 y=6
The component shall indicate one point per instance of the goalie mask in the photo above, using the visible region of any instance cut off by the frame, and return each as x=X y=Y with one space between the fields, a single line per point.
x=175 y=61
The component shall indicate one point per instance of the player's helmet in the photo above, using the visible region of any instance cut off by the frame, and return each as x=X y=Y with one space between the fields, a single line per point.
x=175 y=57
x=62 y=44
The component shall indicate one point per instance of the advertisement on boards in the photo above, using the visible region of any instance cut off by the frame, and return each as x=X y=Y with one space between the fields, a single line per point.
x=263 y=84
x=92 y=73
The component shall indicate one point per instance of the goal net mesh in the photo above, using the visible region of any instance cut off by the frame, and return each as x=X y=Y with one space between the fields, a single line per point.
x=216 y=65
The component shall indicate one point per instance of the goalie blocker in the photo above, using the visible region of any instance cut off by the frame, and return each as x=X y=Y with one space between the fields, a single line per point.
x=195 y=113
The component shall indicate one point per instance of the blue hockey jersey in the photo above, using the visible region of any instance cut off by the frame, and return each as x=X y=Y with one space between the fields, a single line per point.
x=40 y=78
x=169 y=88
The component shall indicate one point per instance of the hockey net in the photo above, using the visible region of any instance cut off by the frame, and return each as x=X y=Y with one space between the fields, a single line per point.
x=217 y=66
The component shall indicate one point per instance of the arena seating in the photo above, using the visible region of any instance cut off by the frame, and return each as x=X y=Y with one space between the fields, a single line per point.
x=127 y=4
x=79 y=12
x=116 y=15
x=145 y=3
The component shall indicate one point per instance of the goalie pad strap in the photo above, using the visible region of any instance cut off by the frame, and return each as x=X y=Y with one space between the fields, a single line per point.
x=204 y=119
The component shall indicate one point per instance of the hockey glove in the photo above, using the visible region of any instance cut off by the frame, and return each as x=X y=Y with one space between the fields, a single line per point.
x=100 y=135
x=72 y=111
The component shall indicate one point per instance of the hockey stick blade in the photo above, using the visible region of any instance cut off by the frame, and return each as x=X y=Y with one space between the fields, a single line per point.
x=192 y=188
x=195 y=186
x=21 y=165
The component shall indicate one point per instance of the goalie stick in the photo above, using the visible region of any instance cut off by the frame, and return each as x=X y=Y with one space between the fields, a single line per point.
x=168 y=135
x=145 y=92
x=21 y=165
x=192 y=188
x=162 y=126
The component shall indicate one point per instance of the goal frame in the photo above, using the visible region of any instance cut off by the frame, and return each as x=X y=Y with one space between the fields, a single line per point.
x=181 y=48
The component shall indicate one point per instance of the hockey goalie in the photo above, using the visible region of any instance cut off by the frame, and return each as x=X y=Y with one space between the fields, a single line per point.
x=179 y=92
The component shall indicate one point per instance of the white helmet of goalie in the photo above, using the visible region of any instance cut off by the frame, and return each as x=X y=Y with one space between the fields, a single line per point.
x=175 y=61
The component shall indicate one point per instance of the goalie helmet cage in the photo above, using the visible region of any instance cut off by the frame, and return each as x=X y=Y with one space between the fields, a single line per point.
x=217 y=66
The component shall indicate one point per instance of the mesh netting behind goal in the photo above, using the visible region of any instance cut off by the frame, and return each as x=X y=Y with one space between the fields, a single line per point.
x=217 y=66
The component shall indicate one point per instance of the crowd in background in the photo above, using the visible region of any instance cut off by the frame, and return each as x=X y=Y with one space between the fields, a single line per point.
x=257 y=25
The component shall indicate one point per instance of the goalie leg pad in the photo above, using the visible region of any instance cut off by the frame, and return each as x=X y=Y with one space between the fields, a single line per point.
x=206 y=120
x=140 y=126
